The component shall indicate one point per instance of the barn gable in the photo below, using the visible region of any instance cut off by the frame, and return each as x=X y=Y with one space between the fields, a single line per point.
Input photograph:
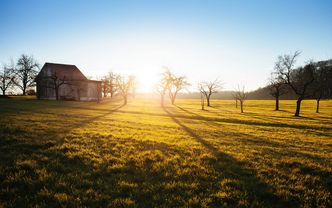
x=71 y=72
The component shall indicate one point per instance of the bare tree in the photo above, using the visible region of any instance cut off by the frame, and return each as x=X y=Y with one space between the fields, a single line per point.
x=124 y=85
x=234 y=95
x=104 y=86
x=322 y=84
x=241 y=95
x=164 y=84
x=54 y=82
x=201 y=90
x=298 y=79
x=277 y=87
x=6 y=77
x=112 y=77
x=208 y=88
x=177 y=84
x=25 y=72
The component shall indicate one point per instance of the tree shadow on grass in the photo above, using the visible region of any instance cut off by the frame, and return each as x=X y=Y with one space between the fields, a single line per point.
x=258 y=193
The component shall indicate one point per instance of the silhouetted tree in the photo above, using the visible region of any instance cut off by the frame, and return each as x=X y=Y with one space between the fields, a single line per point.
x=124 y=85
x=105 y=86
x=54 y=82
x=277 y=87
x=298 y=79
x=112 y=77
x=201 y=90
x=25 y=72
x=208 y=88
x=164 y=84
x=241 y=96
x=322 y=83
x=7 y=77
x=177 y=84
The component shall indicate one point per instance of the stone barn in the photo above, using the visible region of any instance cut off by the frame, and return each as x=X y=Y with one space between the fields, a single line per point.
x=66 y=82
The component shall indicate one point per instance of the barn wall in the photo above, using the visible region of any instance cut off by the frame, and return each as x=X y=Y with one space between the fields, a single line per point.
x=75 y=90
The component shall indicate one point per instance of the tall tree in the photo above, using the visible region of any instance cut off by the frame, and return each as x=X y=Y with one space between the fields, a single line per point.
x=164 y=84
x=208 y=88
x=57 y=82
x=25 y=72
x=124 y=86
x=298 y=79
x=105 y=85
x=178 y=83
x=112 y=77
x=241 y=95
x=322 y=83
x=6 y=77
x=201 y=90
x=277 y=87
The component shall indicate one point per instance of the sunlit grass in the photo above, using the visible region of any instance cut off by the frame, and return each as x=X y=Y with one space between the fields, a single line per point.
x=141 y=155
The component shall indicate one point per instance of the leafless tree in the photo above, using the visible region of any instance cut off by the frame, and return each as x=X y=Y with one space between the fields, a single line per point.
x=112 y=77
x=241 y=95
x=164 y=85
x=208 y=88
x=201 y=91
x=7 y=77
x=298 y=79
x=25 y=72
x=124 y=86
x=54 y=82
x=105 y=85
x=277 y=87
x=322 y=85
x=178 y=83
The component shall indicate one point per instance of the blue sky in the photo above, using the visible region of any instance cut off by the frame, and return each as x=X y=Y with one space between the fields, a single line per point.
x=237 y=41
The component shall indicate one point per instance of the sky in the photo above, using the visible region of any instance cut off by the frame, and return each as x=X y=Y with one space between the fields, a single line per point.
x=237 y=41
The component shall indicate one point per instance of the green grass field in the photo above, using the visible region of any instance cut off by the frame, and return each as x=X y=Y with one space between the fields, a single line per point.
x=84 y=154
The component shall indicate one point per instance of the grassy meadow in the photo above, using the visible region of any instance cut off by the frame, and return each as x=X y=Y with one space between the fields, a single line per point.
x=86 y=154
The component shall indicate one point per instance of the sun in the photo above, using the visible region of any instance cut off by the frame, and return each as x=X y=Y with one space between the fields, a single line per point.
x=147 y=79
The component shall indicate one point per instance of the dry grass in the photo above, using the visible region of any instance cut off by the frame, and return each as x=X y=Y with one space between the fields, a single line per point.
x=80 y=154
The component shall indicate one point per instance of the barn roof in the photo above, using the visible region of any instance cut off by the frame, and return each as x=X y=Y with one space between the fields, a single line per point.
x=71 y=72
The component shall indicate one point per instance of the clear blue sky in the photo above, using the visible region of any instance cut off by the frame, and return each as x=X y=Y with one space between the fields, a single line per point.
x=237 y=41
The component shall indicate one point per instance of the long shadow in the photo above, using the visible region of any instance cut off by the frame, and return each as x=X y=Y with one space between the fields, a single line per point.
x=254 y=140
x=228 y=167
x=234 y=121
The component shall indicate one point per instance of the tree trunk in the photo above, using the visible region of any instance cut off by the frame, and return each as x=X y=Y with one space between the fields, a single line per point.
x=277 y=103
x=208 y=101
x=3 y=92
x=236 y=103
x=241 y=105
x=298 y=106
x=317 y=106
x=23 y=90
